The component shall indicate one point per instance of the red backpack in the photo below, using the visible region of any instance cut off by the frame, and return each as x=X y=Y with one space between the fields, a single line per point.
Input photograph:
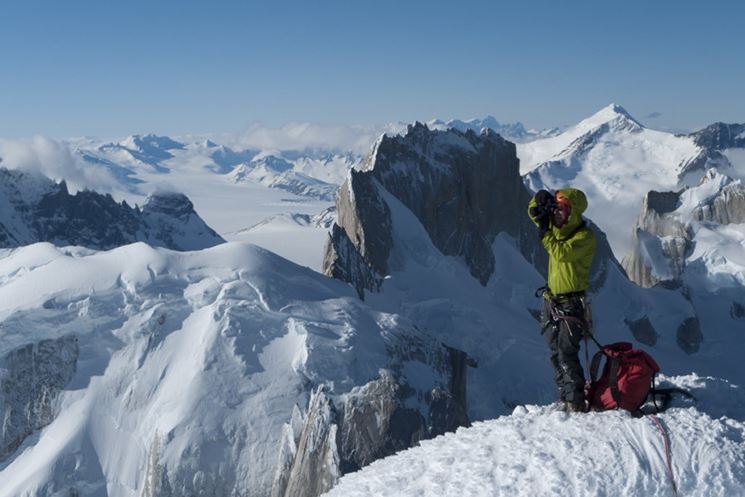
x=626 y=380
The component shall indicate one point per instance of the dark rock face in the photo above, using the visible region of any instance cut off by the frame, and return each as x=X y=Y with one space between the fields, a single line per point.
x=388 y=414
x=737 y=311
x=35 y=209
x=463 y=182
x=463 y=188
x=34 y=375
x=689 y=335
x=711 y=141
x=643 y=331
x=343 y=262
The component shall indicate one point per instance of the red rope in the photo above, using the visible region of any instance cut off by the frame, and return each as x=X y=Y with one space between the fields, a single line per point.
x=668 y=455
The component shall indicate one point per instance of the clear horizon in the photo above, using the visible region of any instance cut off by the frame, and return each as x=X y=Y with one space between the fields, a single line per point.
x=178 y=68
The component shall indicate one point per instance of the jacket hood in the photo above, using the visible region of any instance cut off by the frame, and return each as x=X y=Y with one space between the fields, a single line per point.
x=578 y=200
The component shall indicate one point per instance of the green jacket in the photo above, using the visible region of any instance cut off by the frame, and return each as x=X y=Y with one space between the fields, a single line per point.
x=570 y=248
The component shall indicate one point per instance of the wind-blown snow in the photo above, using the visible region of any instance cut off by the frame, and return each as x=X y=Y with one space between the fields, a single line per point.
x=540 y=452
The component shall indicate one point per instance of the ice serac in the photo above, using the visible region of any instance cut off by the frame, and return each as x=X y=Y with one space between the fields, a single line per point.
x=463 y=187
x=34 y=209
x=32 y=377
x=388 y=414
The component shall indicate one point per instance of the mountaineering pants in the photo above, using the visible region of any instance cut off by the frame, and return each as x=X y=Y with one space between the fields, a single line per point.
x=563 y=326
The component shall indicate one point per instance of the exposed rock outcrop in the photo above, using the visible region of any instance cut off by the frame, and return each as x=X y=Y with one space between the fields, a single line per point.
x=315 y=467
x=712 y=140
x=341 y=434
x=726 y=207
x=737 y=310
x=31 y=378
x=33 y=209
x=664 y=235
x=643 y=331
x=462 y=187
x=661 y=242
x=689 y=335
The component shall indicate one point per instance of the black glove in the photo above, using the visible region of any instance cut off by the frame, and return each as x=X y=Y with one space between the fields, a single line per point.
x=544 y=225
x=541 y=212
x=544 y=200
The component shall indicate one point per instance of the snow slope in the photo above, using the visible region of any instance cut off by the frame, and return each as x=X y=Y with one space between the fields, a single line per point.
x=537 y=451
x=186 y=365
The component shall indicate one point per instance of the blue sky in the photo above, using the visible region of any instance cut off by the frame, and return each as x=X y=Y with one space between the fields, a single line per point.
x=110 y=68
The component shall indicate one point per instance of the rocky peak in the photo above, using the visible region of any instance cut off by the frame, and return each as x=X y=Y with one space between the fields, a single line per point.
x=463 y=187
x=615 y=117
x=172 y=204
x=720 y=136
x=712 y=140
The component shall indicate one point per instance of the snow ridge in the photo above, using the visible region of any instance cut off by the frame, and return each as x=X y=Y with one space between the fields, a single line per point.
x=539 y=452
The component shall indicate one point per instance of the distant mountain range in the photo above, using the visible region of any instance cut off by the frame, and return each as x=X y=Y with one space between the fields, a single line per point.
x=36 y=209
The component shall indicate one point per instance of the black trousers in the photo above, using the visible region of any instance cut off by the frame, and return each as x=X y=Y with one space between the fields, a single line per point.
x=564 y=338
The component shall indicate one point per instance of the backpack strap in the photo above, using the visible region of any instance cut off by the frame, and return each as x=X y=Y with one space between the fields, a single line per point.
x=615 y=364
x=595 y=365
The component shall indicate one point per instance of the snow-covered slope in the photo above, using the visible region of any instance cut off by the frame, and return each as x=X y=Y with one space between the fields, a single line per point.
x=276 y=172
x=539 y=452
x=143 y=371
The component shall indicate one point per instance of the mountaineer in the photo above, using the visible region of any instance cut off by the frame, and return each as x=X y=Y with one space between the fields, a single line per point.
x=570 y=244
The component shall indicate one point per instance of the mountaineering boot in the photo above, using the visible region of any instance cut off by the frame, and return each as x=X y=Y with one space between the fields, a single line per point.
x=574 y=407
